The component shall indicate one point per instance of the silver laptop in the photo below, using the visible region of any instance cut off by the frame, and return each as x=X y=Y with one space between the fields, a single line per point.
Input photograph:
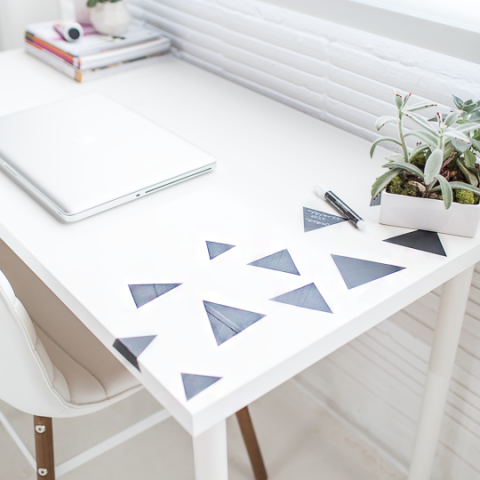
x=87 y=154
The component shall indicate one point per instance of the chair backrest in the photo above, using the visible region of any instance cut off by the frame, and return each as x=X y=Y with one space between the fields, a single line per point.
x=28 y=379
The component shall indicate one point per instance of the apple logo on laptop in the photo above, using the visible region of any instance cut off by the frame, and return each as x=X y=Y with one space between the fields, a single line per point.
x=86 y=139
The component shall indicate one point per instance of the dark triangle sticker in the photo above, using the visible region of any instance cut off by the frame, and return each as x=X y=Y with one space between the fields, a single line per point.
x=280 y=261
x=216 y=249
x=226 y=322
x=132 y=347
x=377 y=201
x=420 y=240
x=314 y=219
x=194 y=384
x=143 y=294
x=305 y=297
x=356 y=272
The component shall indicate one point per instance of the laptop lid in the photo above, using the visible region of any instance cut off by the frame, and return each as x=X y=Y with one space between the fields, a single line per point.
x=89 y=153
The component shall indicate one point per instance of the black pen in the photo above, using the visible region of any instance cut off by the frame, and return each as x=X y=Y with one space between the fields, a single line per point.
x=340 y=206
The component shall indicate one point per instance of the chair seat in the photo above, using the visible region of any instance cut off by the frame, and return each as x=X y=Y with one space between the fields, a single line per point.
x=86 y=375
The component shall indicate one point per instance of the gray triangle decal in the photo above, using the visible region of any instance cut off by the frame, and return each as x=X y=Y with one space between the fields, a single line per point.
x=305 y=297
x=145 y=293
x=226 y=322
x=194 y=384
x=280 y=261
x=132 y=347
x=314 y=219
x=356 y=272
x=420 y=240
x=215 y=249
x=376 y=201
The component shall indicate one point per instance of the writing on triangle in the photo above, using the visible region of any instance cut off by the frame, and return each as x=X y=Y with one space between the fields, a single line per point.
x=305 y=297
x=420 y=240
x=132 y=347
x=280 y=261
x=145 y=293
x=357 y=272
x=314 y=219
x=194 y=384
x=226 y=322
x=215 y=249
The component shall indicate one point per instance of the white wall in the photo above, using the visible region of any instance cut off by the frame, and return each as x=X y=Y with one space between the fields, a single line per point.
x=15 y=14
x=345 y=76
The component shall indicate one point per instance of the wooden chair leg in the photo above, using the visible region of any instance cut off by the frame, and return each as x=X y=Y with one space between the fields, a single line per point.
x=44 y=448
x=251 y=442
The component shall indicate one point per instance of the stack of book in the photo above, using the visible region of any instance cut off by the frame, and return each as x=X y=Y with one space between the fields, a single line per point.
x=95 y=55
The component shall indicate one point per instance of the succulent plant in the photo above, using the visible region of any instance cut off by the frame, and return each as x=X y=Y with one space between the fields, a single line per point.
x=93 y=3
x=443 y=141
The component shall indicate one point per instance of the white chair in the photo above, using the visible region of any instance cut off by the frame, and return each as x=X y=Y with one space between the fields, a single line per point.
x=52 y=366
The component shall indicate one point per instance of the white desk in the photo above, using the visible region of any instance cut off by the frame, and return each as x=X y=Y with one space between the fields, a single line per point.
x=268 y=158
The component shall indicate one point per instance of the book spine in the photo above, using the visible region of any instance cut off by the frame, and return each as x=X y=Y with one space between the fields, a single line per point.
x=54 y=50
x=52 y=60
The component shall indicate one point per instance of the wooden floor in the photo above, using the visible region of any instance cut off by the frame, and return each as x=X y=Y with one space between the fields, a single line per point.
x=299 y=438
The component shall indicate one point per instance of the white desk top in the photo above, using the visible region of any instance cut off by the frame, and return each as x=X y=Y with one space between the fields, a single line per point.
x=269 y=156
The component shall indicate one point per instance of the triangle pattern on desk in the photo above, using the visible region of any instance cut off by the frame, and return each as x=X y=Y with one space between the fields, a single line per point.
x=132 y=347
x=314 y=219
x=194 y=384
x=357 y=272
x=215 y=249
x=226 y=322
x=420 y=240
x=280 y=261
x=305 y=297
x=145 y=293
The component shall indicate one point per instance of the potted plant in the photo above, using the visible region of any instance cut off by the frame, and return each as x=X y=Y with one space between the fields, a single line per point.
x=110 y=17
x=434 y=186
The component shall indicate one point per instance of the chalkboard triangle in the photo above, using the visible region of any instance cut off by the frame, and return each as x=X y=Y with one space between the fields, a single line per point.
x=215 y=249
x=132 y=347
x=280 y=261
x=145 y=293
x=420 y=240
x=376 y=201
x=356 y=272
x=305 y=297
x=194 y=384
x=226 y=322
x=314 y=219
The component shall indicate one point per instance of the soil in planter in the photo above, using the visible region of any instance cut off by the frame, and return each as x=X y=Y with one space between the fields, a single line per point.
x=408 y=183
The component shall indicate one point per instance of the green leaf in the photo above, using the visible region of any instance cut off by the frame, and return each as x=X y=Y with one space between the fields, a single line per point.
x=458 y=102
x=382 y=139
x=433 y=165
x=468 y=127
x=471 y=178
x=406 y=99
x=420 y=106
x=447 y=192
x=460 y=146
x=91 y=3
x=384 y=120
x=423 y=122
x=382 y=181
x=406 y=166
x=396 y=157
x=475 y=117
x=426 y=137
x=476 y=145
x=398 y=100
x=457 y=135
x=416 y=151
x=470 y=159
x=464 y=186
x=452 y=118
x=447 y=149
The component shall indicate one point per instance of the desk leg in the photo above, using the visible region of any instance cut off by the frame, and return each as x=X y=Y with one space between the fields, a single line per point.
x=442 y=359
x=210 y=453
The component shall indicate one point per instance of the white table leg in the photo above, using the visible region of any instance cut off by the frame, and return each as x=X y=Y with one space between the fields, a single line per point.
x=210 y=453
x=442 y=359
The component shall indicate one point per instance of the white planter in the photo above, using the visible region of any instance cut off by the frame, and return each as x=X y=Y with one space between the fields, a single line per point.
x=110 y=18
x=429 y=214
